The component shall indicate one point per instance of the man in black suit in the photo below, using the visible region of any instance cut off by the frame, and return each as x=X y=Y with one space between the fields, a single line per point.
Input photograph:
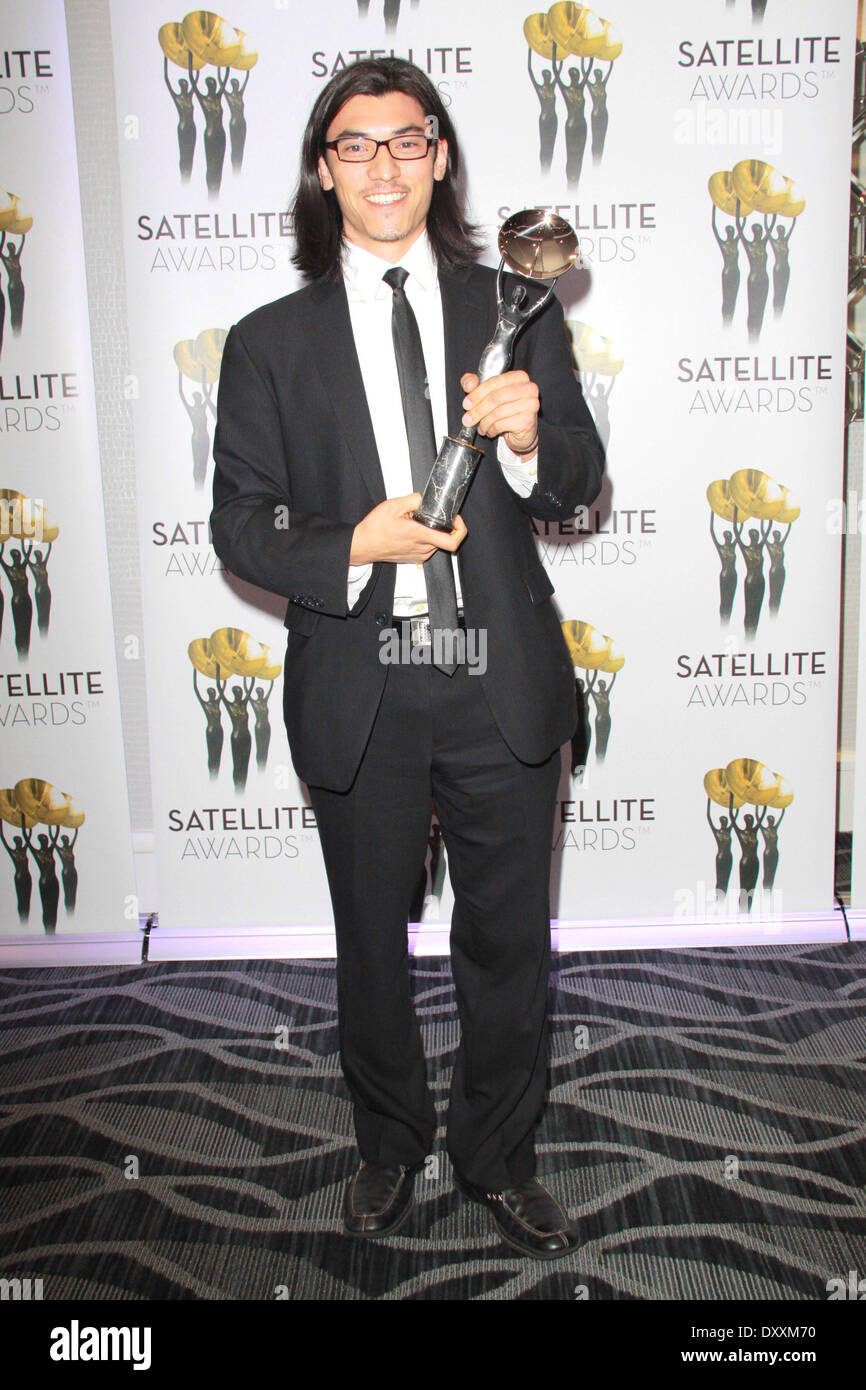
x=313 y=496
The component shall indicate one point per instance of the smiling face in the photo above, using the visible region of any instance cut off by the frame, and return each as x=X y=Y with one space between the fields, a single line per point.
x=384 y=202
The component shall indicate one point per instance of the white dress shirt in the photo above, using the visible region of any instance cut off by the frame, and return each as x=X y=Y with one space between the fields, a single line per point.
x=370 y=301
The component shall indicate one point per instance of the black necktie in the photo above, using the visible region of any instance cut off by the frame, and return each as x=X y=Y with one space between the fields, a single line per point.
x=438 y=570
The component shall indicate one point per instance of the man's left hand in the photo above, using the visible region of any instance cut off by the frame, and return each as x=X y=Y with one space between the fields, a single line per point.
x=505 y=405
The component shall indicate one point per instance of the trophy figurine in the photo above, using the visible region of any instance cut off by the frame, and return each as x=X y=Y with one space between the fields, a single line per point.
x=536 y=245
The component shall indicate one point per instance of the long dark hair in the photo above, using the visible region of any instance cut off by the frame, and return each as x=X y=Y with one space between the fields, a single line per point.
x=317 y=221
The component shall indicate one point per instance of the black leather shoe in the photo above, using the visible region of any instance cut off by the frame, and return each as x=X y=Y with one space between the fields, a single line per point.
x=378 y=1199
x=527 y=1217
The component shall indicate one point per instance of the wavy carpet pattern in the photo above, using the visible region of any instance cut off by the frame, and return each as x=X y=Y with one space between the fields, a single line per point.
x=182 y=1131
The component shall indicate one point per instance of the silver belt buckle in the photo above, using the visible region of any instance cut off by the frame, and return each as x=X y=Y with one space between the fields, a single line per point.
x=419 y=629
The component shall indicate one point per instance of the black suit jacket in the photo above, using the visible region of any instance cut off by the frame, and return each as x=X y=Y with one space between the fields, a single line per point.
x=297 y=468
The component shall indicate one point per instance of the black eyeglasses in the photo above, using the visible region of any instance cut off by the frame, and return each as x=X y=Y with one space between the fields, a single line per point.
x=360 y=149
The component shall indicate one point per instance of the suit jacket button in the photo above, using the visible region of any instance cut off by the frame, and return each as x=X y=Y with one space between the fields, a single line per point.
x=381 y=619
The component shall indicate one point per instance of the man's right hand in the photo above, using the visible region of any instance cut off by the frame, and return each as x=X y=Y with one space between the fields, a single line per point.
x=389 y=533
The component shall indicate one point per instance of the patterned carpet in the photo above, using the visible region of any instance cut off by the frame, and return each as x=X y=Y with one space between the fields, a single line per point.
x=705 y=1127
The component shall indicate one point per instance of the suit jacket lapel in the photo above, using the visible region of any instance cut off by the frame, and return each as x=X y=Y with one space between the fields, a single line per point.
x=336 y=360
x=469 y=318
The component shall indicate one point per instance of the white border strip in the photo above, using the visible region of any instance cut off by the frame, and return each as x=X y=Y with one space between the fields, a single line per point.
x=300 y=943
x=856 y=475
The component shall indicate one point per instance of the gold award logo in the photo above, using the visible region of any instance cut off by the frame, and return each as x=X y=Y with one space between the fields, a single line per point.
x=747 y=495
x=23 y=520
x=596 y=656
x=753 y=186
x=746 y=782
x=595 y=357
x=231 y=652
x=199 y=360
x=204 y=39
x=13 y=223
x=30 y=803
x=564 y=31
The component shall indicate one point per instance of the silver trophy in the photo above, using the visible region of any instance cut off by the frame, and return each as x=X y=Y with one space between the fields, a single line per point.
x=534 y=244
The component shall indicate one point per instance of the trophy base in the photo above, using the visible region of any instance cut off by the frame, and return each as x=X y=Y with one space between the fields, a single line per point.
x=433 y=523
x=448 y=484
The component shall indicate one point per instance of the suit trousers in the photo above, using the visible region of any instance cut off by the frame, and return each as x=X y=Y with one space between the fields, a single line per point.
x=434 y=739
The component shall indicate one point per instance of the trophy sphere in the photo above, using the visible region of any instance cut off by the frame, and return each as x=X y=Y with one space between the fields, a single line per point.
x=538 y=244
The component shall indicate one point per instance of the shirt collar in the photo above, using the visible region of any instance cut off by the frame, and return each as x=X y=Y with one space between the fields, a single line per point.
x=363 y=271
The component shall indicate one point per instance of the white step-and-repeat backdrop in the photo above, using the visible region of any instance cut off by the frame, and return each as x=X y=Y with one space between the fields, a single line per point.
x=64 y=819
x=702 y=154
x=703 y=159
